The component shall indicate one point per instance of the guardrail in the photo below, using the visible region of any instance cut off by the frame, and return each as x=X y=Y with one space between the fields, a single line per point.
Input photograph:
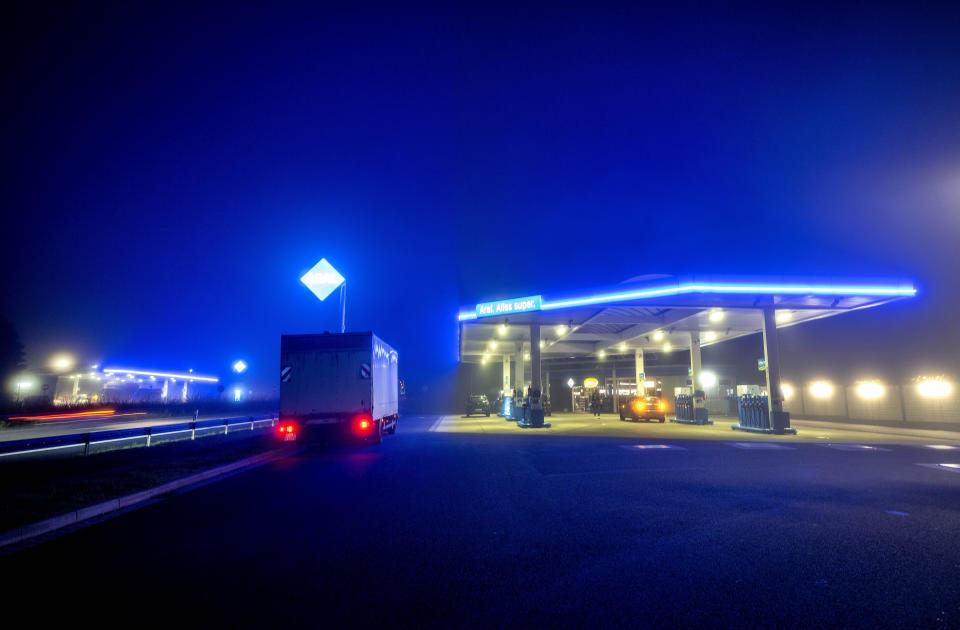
x=148 y=434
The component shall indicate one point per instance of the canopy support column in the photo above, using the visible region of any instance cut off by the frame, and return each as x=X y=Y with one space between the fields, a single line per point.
x=779 y=419
x=639 y=373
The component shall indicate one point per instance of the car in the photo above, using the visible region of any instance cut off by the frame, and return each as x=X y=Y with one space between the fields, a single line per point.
x=478 y=404
x=643 y=407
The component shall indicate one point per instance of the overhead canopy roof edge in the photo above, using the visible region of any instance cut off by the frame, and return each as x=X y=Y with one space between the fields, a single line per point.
x=662 y=313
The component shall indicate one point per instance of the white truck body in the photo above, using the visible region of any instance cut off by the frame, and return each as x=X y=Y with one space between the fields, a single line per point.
x=335 y=378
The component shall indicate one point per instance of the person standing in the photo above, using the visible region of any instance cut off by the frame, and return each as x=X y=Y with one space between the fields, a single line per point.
x=595 y=403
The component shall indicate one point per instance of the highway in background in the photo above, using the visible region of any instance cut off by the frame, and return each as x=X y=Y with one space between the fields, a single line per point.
x=121 y=420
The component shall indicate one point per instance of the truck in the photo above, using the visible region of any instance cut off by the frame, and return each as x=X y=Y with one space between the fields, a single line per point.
x=337 y=385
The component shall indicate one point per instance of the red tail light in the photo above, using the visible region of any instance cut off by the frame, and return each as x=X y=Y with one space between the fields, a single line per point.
x=363 y=425
x=287 y=429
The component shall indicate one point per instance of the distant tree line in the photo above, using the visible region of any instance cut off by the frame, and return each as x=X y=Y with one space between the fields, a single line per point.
x=11 y=356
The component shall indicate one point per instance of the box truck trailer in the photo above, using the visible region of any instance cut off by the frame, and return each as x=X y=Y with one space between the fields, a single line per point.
x=337 y=384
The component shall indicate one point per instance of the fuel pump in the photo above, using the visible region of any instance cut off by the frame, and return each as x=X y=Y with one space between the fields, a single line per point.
x=533 y=416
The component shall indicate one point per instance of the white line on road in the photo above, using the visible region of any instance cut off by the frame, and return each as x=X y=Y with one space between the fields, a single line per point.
x=855 y=447
x=769 y=446
x=652 y=447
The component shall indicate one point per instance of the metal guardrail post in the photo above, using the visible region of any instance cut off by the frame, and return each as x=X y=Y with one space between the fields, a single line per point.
x=149 y=436
x=193 y=430
x=226 y=426
x=86 y=445
x=251 y=423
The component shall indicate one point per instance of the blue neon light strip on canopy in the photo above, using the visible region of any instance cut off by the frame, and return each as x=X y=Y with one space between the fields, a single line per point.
x=719 y=288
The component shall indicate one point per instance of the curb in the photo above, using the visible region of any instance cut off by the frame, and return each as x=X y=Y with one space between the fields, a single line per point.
x=25 y=532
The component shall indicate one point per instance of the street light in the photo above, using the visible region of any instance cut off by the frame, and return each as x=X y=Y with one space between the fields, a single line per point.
x=239 y=366
x=23 y=385
x=870 y=390
x=821 y=389
x=933 y=388
x=62 y=362
x=570 y=383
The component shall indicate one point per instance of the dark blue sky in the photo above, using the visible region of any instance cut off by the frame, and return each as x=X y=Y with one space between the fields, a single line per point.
x=170 y=172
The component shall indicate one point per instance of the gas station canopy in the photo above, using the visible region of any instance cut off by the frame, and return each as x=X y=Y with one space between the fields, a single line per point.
x=658 y=313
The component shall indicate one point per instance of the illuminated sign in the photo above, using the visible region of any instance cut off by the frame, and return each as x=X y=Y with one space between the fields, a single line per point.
x=509 y=307
x=590 y=382
x=322 y=279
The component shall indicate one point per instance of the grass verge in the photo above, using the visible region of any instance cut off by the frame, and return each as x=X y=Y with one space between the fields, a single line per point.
x=34 y=490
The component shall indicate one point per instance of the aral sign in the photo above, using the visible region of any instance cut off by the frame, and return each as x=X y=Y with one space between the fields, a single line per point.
x=509 y=307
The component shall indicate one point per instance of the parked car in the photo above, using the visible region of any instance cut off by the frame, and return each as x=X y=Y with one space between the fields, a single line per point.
x=477 y=404
x=643 y=407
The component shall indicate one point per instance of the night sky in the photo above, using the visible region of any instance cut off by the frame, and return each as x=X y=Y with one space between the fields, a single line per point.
x=171 y=171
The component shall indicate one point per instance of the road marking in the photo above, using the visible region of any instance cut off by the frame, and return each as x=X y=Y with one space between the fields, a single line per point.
x=941 y=447
x=652 y=447
x=855 y=447
x=948 y=467
x=898 y=513
x=770 y=446
x=437 y=424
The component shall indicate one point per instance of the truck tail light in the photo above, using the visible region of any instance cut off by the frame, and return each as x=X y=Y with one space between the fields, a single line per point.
x=287 y=430
x=363 y=425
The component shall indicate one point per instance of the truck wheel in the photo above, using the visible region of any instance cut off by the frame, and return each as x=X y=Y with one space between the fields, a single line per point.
x=488 y=414
x=622 y=419
x=378 y=434
x=662 y=420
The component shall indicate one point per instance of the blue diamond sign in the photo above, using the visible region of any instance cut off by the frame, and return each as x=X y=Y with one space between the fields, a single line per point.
x=323 y=279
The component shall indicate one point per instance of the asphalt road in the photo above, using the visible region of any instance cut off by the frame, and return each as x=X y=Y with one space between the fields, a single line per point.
x=470 y=529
